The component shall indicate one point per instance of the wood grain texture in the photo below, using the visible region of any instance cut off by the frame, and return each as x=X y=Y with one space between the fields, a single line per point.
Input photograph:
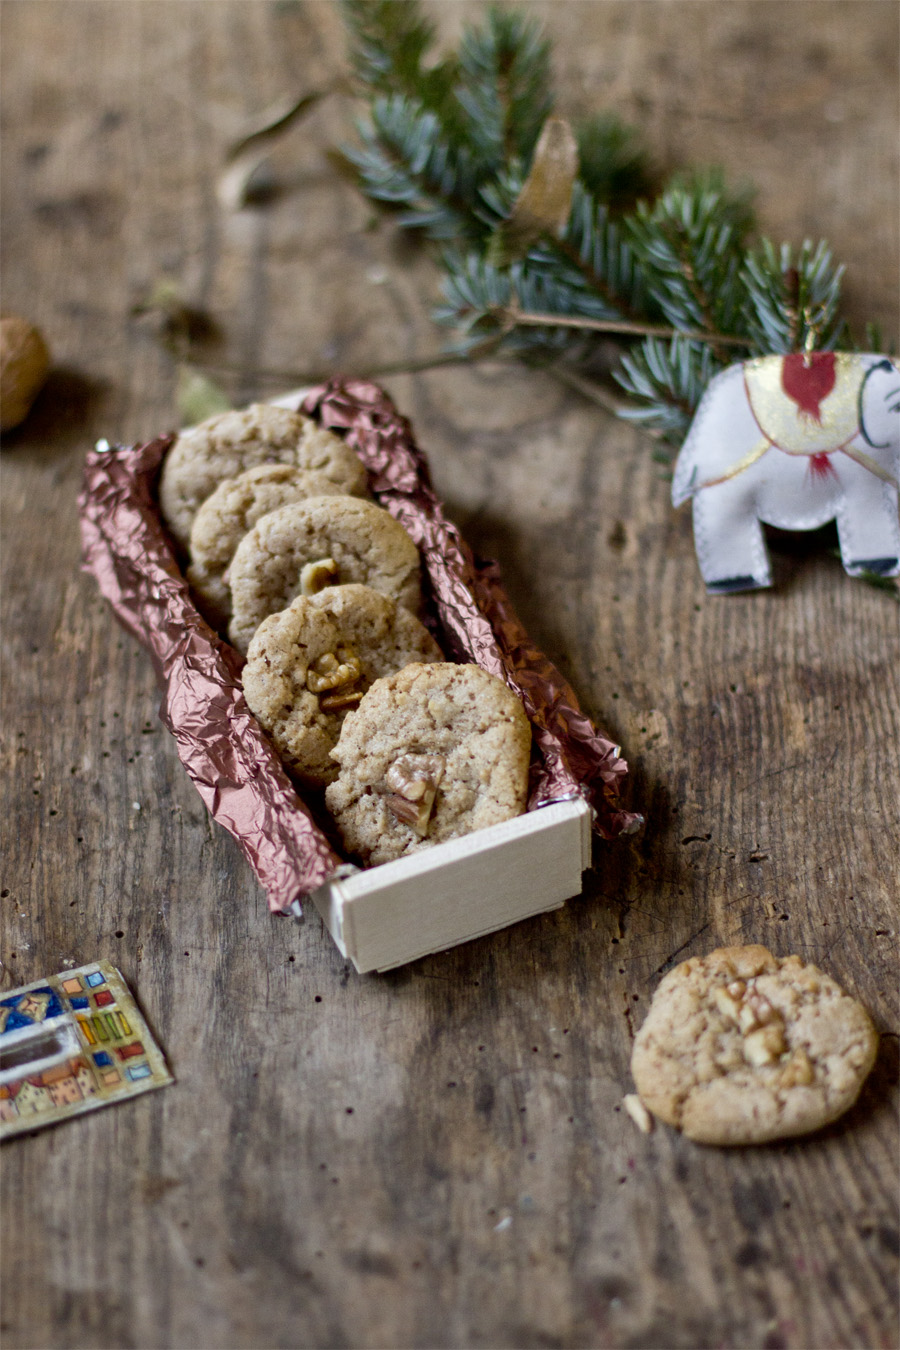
x=438 y=1156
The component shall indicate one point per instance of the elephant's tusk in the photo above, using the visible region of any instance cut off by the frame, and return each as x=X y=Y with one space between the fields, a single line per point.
x=869 y=463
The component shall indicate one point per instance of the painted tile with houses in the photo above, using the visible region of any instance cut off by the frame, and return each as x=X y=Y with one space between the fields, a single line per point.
x=71 y=1043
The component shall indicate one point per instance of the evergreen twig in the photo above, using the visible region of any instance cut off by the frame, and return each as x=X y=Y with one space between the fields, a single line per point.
x=677 y=277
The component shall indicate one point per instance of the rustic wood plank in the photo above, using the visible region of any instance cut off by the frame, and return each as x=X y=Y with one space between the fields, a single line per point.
x=437 y=1156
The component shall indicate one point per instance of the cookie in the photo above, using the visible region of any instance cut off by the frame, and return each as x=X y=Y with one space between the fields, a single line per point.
x=225 y=445
x=322 y=541
x=430 y=754
x=310 y=664
x=234 y=508
x=741 y=1047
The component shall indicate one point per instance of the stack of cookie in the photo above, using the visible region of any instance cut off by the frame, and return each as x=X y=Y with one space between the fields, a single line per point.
x=320 y=588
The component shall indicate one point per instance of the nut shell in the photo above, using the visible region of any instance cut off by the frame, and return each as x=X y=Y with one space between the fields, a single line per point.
x=24 y=363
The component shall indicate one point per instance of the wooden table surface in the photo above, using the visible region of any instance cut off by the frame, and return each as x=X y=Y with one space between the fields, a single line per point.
x=439 y=1156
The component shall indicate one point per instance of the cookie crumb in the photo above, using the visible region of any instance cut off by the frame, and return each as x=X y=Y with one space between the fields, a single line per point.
x=638 y=1112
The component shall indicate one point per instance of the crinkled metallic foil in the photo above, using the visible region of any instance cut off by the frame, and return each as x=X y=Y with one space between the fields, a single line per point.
x=230 y=760
x=232 y=764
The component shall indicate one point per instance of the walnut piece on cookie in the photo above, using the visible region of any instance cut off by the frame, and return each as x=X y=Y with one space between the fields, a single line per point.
x=365 y=544
x=310 y=664
x=743 y=1047
x=430 y=754
x=229 y=443
x=234 y=508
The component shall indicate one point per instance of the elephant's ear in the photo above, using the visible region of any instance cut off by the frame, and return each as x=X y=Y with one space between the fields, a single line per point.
x=687 y=477
x=886 y=366
x=697 y=458
x=690 y=466
x=722 y=433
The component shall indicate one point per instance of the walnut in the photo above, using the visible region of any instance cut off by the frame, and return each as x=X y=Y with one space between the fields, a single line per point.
x=761 y=1025
x=24 y=362
x=404 y=811
x=340 y=700
x=742 y=1004
x=798 y=1071
x=413 y=781
x=315 y=576
x=764 y=1045
x=333 y=670
x=756 y=1011
x=727 y=1003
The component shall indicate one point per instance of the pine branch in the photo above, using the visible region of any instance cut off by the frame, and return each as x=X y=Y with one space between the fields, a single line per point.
x=452 y=149
x=406 y=161
x=666 y=382
x=691 y=244
x=504 y=87
x=437 y=137
x=479 y=297
x=593 y=256
x=590 y=275
x=515 y=318
x=792 y=304
x=614 y=165
x=389 y=42
x=597 y=256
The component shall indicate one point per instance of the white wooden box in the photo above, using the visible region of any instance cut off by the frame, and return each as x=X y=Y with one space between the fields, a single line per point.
x=395 y=913
x=381 y=917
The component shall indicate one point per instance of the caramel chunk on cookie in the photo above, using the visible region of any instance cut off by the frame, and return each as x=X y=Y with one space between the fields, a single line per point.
x=430 y=754
x=742 y=1047
x=324 y=540
x=229 y=443
x=234 y=508
x=309 y=665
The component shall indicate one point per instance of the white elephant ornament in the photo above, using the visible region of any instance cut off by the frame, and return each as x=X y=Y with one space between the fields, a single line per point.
x=794 y=441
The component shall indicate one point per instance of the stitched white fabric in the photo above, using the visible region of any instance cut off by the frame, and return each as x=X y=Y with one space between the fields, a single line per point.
x=794 y=441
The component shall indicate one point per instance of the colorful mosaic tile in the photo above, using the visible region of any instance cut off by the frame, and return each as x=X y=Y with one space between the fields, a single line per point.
x=129 y=1051
x=28 y=1005
x=48 y=1069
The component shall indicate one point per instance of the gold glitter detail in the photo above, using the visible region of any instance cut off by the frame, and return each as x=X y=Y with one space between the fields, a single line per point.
x=786 y=425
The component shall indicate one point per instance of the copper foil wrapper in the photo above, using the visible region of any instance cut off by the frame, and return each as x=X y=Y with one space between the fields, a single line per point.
x=224 y=750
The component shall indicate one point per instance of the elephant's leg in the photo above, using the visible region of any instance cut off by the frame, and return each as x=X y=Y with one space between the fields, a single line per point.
x=729 y=539
x=868 y=524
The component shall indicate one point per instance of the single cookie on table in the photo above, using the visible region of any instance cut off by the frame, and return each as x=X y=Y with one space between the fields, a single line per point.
x=742 y=1047
x=309 y=665
x=225 y=445
x=323 y=541
x=430 y=754
x=234 y=508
